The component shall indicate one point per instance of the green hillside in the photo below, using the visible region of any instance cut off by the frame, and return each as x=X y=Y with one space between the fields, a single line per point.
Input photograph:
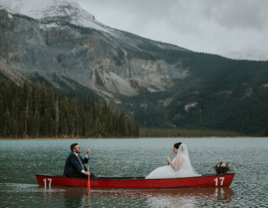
x=236 y=103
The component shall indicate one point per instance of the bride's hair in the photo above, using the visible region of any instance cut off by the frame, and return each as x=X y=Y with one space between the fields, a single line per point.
x=177 y=145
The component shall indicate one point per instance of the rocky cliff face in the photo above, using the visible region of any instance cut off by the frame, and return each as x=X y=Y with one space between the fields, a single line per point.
x=109 y=61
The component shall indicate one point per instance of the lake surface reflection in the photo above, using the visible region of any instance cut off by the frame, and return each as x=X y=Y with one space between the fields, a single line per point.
x=21 y=160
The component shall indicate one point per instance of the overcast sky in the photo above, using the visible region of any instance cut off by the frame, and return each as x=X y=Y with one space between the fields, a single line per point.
x=232 y=28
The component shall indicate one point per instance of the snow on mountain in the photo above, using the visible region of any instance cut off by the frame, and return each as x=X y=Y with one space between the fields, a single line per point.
x=40 y=9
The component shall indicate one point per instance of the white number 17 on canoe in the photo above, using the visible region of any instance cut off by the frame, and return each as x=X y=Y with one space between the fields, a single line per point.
x=221 y=181
x=45 y=182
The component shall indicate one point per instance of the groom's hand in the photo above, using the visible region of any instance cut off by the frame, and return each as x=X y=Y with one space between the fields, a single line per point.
x=87 y=173
x=88 y=151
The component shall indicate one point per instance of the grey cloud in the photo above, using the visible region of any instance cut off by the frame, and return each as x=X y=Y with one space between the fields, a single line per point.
x=239 y=13
x=219 y=27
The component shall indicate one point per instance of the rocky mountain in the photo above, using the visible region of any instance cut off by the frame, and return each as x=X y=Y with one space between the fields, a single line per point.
x=63 y=38
x=159 y=84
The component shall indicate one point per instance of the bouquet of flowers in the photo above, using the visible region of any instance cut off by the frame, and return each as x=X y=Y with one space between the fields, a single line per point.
x=222 y=168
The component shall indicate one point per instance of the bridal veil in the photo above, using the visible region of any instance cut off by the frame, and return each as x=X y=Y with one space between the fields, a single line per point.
x=183 y=162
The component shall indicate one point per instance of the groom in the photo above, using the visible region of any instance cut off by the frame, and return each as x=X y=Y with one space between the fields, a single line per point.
x=74 y=164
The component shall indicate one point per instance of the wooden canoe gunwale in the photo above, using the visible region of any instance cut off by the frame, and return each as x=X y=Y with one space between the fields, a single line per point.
x=137 y=178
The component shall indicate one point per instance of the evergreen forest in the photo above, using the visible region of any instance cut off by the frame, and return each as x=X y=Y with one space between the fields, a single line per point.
x=36 y=111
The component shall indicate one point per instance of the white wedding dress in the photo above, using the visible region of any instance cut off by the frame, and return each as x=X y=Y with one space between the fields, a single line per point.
x=183 y=167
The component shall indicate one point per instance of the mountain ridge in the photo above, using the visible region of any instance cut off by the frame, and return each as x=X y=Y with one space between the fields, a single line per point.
x=120 y=67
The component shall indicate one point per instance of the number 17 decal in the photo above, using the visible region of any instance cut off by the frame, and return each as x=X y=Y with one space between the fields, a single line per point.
x=45 y=182
x=221 y=181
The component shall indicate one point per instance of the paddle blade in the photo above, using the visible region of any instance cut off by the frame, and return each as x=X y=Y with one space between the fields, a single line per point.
x=88 y=184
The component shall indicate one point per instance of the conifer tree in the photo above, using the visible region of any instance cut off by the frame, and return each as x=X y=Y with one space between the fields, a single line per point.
x=7 y=124
x=57 y=120
x=36 y=96
x=26 y=102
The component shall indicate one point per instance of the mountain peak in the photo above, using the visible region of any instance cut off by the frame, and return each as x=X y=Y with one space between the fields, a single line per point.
x=40 y=10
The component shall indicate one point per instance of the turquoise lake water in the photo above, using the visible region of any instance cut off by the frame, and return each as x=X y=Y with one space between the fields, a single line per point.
x=20 y=160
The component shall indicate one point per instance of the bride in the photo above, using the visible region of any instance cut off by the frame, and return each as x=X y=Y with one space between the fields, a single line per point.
x=179 y=167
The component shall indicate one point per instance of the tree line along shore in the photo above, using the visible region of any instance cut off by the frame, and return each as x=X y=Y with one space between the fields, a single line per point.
x=194 y=133
x=33 y=111
x=36 y=111
x=187 y=133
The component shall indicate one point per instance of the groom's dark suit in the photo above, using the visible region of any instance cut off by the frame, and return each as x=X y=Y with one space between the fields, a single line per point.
x=73 y=167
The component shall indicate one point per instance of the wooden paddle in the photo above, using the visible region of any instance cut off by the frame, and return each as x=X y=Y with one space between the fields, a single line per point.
x=88 y=179
x=88 y=182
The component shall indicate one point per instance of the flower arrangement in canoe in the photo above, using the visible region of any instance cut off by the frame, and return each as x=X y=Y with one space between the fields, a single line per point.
x=222 y=168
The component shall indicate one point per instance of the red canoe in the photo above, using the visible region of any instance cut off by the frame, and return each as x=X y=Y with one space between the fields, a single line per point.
x=203 y=181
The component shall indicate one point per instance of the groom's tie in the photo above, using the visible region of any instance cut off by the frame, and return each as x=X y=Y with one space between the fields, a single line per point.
x=79 y=158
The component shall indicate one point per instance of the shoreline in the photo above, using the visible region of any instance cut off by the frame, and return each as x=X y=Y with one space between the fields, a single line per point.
x=239 y=137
